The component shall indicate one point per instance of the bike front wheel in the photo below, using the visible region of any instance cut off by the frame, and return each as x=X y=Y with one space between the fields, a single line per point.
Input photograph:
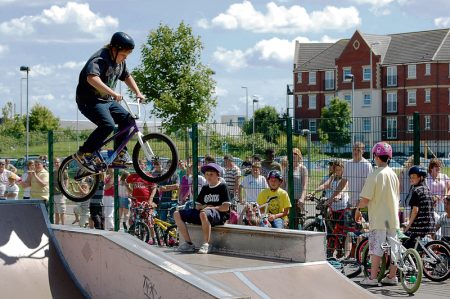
x=437 y=266
x=171 y=236
x=141 y=231
x=411 y=271
x=159 y=148
x=75 y=182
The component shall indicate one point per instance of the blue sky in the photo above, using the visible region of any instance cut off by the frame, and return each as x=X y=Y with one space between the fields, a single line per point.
x=247 y=43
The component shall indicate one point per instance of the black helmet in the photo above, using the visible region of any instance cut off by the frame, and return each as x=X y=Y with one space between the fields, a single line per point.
x=420 y=171
x=122 y=41
x=275 y=174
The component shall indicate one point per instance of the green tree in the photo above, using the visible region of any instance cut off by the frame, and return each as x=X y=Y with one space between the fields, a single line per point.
x=173 y=78
x=12 y=125
x=42 y=119
x=267 y=122
x=335 y=123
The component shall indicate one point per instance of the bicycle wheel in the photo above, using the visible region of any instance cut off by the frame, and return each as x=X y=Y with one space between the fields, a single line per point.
x=76 y=183
x=314 y=226
x=436 y=268
x=351 y=268
x=159 y=234
x=157 y=147
x=171 y=236
x=366 y=264
x=140 y=230
x=411 y=274
x=359 y=249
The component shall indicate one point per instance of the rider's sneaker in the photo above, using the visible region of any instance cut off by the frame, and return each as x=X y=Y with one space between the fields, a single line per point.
x=204 y=249
x=85 y=160
x=186 y=247
x=122 y=159
x=369 y=282
x=390 y=281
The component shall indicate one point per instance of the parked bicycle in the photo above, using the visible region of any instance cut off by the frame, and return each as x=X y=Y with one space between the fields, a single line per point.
x=78 y=183
x=408 y=262
x=138 y=222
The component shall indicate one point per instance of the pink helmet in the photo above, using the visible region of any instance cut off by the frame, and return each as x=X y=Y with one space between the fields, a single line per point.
x=382 y=149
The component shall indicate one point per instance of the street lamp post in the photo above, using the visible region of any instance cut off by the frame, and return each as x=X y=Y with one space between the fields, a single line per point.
x=246 y=102
x=352 y=78
x=255 y=100
x=27 y=69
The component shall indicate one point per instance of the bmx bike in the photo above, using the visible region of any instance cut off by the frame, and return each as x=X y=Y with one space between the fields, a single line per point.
x=79 y=184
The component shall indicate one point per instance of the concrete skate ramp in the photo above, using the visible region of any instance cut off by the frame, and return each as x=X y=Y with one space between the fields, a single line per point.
x=32 y=264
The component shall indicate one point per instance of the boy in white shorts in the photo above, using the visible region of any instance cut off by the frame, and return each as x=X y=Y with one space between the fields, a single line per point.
x=380 y=194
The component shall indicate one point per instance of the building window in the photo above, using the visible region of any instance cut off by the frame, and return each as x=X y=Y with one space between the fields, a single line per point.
x=366 y=73
x=391 y=102
x=298 y=124
x=391 y=126
x=391 y=76
x=348 y=99
x=411 y=71
x=427 y=95
x=427 y=69
x=367 y=125
x=427 y=122
x=328 y=98
x=299 y=100
x=410 y=123
x=313 y=126
x=329 y=80
x=299 y=77
x=367 y=99
x=312 y=102
x=412 y=97
x=312 y=78
x=346 y=71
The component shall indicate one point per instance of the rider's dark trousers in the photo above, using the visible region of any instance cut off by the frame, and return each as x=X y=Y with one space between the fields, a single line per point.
x=105 y=115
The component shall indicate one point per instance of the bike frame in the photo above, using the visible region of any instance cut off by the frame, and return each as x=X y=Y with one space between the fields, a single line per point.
x=396 y=258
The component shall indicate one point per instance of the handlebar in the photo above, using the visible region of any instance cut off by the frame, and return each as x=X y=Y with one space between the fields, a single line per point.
x=138 y=104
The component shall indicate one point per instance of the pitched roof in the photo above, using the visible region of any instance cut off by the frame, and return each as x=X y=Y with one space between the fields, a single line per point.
x=379 y=43
x=306 y=51
x=324 y=59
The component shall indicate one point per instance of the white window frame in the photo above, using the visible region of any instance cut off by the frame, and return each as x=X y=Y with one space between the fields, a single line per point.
x=345 y=71
x=299 y=101
x=298 y=124
x=313 y=125
x=348 y=99
x=412 y=71
x=299 y=77
x=328 y=99
x=312 y=78
x=412 y=97
x=391 y=122
x=329 y=77
x=427 y=69
x=409 y=124
x=427 y=125
x=366 y=124
x=312 y=102
x=391 y=104
x=427 y=95
x=391 y=72
x=366 y=76
x=367 y=100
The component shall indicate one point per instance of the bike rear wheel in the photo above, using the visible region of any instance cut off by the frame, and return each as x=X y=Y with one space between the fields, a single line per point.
x=359 y=249
x=140 y=230
x=162 y=149
x=436 y=268
x=171 y=236
x=75 y=182
x=351 y=268
x=367 y=264
x=411 y=275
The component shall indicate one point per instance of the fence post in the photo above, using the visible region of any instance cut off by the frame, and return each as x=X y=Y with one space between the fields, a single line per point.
x=416 y=146
x=51 y=179
x=116 y=190
x=290 y=178
x=195 y=160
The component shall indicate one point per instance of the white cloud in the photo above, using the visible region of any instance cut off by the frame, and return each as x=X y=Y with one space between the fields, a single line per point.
x=221 y=92
x=281 y=19
x=4 y=49
x=72 y=13
x=42 y=98
x=380 y=7
x=270 y=51
x=39 y=70
x=442 y=22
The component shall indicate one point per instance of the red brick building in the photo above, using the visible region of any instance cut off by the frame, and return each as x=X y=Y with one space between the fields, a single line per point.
x=411 y=72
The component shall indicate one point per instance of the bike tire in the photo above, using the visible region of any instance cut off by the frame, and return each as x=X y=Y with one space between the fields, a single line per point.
x=162 y=147
x=359 y=249
x=351 y=268
x=440 y=271
x=140 y=230
x=366 y=264
x=171 y=236
x=314 y=227
x=72 y=177
x=412 y=278
x=159 y=234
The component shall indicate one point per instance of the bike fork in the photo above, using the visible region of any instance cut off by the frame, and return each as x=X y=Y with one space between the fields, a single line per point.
x=145 y=146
